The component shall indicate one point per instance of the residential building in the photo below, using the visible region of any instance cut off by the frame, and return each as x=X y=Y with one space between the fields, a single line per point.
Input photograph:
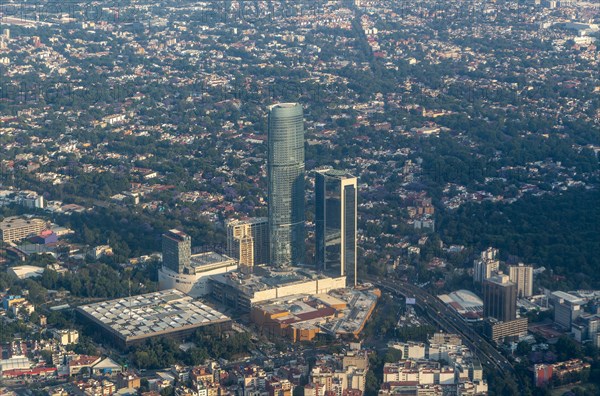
x=498 y=330
x=542 y=374
x=97 y=252
x=410 y=349
x=486 y=265
x=278 y=387
x=331 y=377
x=423 y=372
x=16 y=228
x=67 y=336
x=248 y=241
x=568 y=371
x=522 y=276
x=128 y=379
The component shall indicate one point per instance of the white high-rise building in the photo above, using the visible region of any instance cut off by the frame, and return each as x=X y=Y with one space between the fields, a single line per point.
x=522 y=276
x=486 y=266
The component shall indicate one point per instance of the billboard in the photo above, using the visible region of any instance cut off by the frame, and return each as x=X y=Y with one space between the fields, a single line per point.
x=410 y=301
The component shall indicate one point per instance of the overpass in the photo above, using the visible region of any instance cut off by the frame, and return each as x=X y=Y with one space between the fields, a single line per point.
x=450 y=321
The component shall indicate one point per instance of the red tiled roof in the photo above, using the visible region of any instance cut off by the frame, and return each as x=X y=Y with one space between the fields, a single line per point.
x=84 y=360
x=319 y=313
x=33 y=371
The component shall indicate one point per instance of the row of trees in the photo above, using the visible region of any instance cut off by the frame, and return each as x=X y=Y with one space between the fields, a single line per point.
x=210 y=343
x=558 y=232
x=101 y=281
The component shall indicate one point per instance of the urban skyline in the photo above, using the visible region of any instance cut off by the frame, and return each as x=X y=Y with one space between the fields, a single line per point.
x=314 y=198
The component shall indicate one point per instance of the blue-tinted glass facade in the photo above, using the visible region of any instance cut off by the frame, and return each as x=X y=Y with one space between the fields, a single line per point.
x=335 y=223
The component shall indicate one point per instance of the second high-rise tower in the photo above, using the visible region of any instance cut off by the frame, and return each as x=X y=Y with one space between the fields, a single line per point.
x=335 y=221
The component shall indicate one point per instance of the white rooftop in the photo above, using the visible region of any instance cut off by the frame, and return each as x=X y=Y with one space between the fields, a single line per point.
x=26 y=271
x=160 y=312
x=567 y=297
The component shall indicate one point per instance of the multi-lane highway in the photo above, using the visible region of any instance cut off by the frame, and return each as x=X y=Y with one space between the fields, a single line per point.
x=451 y=322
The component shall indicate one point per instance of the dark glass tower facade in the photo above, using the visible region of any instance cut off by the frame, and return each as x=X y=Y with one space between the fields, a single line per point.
x=500 y=298
x=176 y=250
x=335 y=221
x=285 y=173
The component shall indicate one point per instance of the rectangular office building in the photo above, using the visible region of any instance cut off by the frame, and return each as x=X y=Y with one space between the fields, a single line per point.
x=176 y=250
x=16 y=228
x=335 y=220
x=500 y=298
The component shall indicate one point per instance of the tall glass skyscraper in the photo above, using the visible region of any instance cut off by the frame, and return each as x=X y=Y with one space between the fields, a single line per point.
x=285 y=172
x=335 y=221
